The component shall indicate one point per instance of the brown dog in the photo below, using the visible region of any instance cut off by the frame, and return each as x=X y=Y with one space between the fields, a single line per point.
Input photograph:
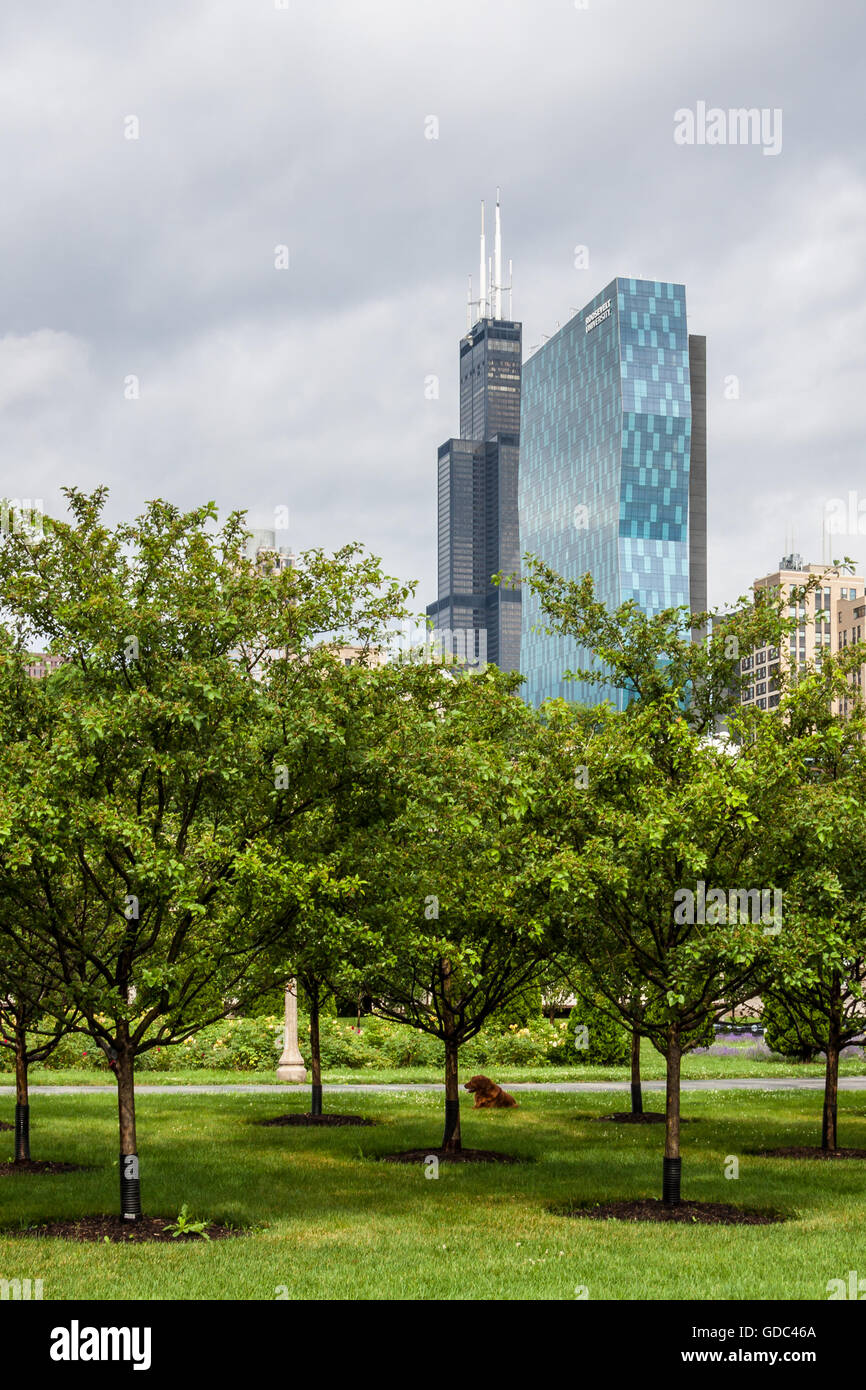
x=489 y=1096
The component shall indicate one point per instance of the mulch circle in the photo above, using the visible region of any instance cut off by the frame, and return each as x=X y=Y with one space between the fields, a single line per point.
x=318 y=1120
x=689 y=1213
x=40 y=1165
x=462 y=1156
x=806 y=1152
x=98 y=1228
x=4 y=1128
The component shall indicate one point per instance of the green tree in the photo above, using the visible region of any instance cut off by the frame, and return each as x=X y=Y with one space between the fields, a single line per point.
x=33 y=1020
x=361 y=716
x=459 y=879
x=664 y=814
x=815 y=846
x=34 y=1017
x=148 y=813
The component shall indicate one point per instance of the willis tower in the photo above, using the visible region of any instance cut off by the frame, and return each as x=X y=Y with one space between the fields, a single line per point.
x=479 y=533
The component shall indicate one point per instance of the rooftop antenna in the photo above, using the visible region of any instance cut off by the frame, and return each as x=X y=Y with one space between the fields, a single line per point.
x=497 y=263
x=469 y=306
x=490 y=279
x=482 y=282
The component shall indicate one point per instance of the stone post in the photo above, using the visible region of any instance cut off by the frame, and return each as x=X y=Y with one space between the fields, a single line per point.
x=291 y=1064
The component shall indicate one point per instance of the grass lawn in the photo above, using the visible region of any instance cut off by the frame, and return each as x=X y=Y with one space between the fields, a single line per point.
x=334 y=1223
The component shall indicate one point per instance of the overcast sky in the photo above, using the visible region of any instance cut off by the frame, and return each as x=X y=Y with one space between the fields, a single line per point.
x=306 y=127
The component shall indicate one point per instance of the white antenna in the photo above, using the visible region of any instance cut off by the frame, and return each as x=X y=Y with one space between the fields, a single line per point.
x=482 y=283
x=497 y=263
x=490 y=280
x=826 y=543
x=469 y=306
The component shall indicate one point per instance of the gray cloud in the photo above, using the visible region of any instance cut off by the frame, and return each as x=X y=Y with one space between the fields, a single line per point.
x=305 y=126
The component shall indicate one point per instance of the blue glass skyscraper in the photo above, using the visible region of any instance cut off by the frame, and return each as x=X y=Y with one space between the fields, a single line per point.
x=613 y=467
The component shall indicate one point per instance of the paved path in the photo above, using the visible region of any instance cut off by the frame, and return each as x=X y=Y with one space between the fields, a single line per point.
x=778 y=1083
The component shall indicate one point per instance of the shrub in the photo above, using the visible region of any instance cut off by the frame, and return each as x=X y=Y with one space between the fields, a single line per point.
x=608 y=1039
x=254 y=1044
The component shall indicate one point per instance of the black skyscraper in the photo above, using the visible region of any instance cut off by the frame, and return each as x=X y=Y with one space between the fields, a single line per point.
x=479 y=533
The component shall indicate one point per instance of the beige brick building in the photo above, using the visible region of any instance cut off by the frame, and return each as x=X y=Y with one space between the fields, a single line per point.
x=43 y=664
x=851 y=617
x=824 y=615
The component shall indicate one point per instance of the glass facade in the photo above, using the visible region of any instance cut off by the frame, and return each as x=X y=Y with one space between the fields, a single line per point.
x=478 y=529
x=613 y=461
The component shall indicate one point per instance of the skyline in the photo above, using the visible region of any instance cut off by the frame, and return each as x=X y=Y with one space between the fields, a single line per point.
x=154 y=257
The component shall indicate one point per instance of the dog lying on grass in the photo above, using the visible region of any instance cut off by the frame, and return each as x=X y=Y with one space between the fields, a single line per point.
x=488 y=1096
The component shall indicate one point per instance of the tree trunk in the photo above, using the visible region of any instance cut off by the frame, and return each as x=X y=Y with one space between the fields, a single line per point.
x=451 y=1140
x=672 y=1163
x=22 y=1099
x=636 y=1092
x=829 y=1136
x=130 y=1182
x=315 y=1053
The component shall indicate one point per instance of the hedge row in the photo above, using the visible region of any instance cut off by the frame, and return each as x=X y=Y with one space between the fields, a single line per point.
x=254 y=1044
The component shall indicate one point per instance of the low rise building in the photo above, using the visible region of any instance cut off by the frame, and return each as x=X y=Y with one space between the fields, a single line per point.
x=851 y=620
x=43 y=664
x=823 y=614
